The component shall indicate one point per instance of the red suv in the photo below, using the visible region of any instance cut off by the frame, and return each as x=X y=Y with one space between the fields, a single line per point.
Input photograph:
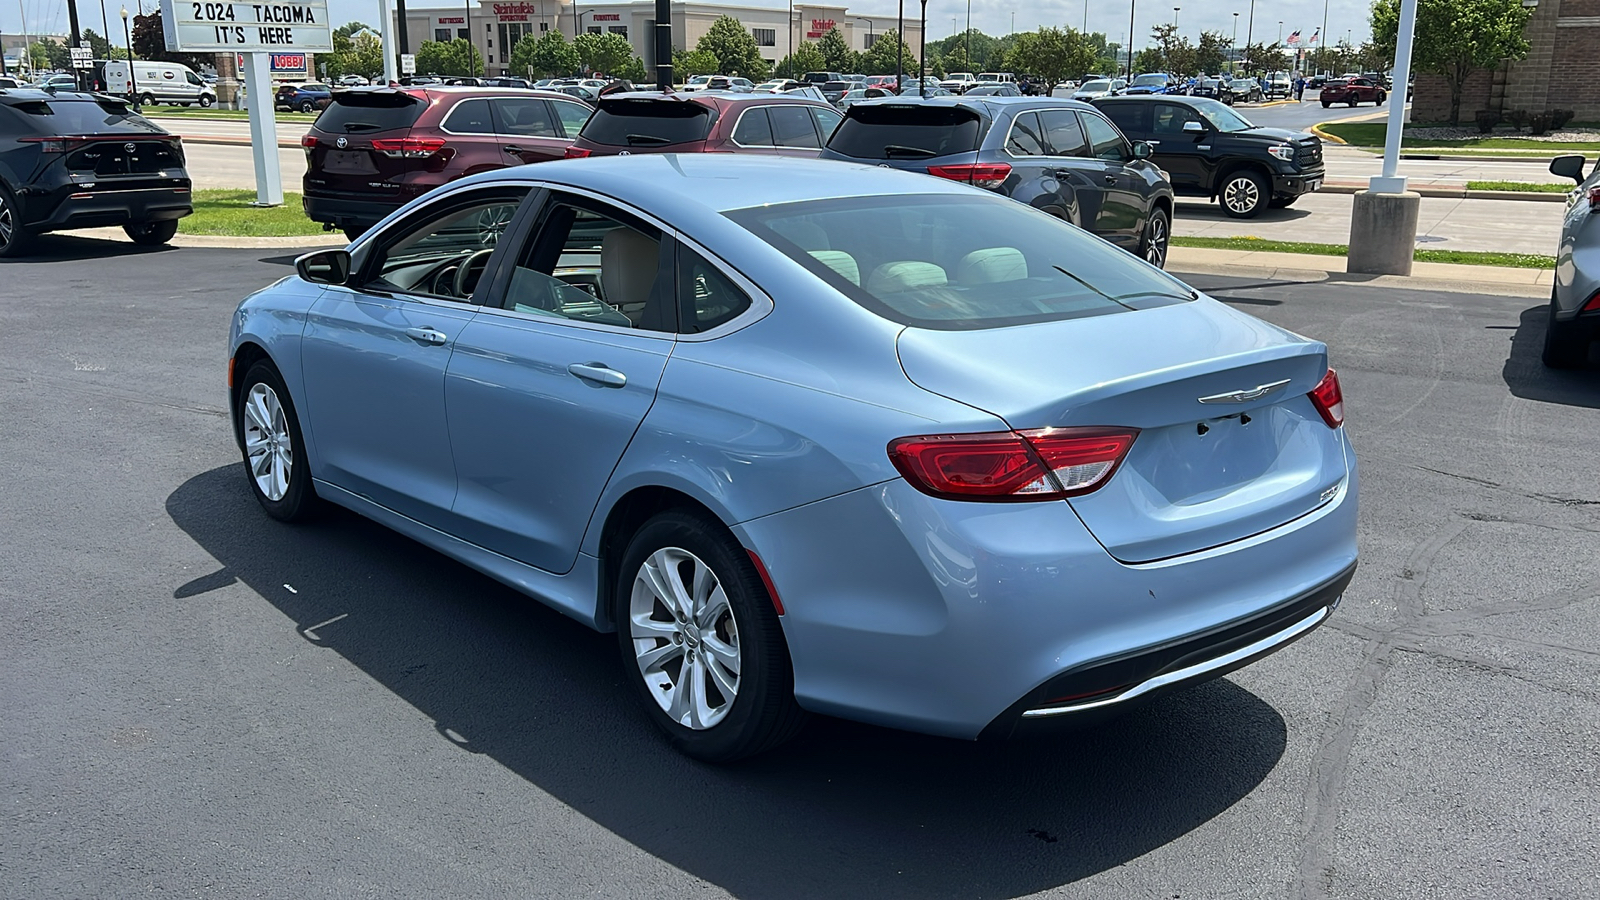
x=372 y=151
x=706 y=122
x=1351 y=91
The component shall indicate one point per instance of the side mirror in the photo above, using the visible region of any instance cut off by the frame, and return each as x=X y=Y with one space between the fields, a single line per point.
x=1141 y=150
x=324 y=266
x=1570 y=166
x=1193 y=127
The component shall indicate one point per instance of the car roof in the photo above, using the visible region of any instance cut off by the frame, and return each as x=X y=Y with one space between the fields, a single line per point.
x=989 y=103
x=33 y=95
x=714 y=183
x=719 y=98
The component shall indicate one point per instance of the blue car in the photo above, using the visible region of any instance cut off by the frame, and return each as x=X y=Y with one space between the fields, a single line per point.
x=812 y=437
x=1155 y=83
x=303 y=97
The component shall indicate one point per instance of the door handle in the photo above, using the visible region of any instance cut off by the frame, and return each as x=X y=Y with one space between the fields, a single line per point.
x=599 y=373
x=427 y=335
x=1111 y=179
x=512 y=148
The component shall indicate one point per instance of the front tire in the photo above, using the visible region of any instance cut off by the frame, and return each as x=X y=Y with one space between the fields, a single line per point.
x=1381 y=97
x=274 y=451
x=151 y=234
x=1157 y=236
x=701 y=641
x=1566 y=344
x=205 y=102
x=1244 y=194
x=307 y=106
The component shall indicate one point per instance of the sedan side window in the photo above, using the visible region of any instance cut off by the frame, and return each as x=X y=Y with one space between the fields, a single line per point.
x=572 y=116
x=792 y=126
x=707 y=298
x=526 y=116
x=1025 y=136
x=446 y=253
x=1105 y=141
x=753 y=129
x=1062 y=134
x=590 y=262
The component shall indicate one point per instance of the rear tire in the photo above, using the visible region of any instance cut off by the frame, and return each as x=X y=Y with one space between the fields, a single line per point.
x=1157 y=236
x=14 y=236
x=1244 y=194
x=308 y=106
x=151 y=234
x=274 y=451
x=676 y=658
x=147 y=100
x=1326 y=104
x=1566 y=344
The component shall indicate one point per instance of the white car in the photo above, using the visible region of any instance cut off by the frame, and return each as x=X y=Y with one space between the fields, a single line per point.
x=1096 y=88
x=353 y=81
x=958 y=82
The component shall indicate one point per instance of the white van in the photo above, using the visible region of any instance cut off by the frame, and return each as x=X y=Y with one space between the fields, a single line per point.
x=159 y=82
x=997 y=77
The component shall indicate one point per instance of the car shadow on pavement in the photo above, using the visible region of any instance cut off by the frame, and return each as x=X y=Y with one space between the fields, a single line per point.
x=1529 y=378
x=1199 y=208
x=66 y=247
x=844 y=810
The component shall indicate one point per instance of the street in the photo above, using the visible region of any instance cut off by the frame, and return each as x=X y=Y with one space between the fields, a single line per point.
x=203 y=701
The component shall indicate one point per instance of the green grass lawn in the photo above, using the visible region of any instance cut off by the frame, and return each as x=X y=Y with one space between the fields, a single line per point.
x=228 y=212
x=234 y=115
x=1372 y=134
x=1532 y=186
x=1467 y=257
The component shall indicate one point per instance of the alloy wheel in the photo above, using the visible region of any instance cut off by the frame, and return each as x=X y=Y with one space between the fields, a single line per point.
x=1241 y=195
x=8 y=223
x=685 y=639
x=492 y=223
x=1155 y=248
x=267 y=444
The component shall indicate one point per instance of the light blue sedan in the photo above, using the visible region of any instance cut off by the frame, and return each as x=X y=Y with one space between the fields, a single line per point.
x=811 y=436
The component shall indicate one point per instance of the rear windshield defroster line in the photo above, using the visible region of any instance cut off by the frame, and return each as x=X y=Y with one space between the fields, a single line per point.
x=362 y=112
x=869 y=130
x=643 y=122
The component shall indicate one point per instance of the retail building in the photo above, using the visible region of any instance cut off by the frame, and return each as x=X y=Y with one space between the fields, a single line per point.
x=494 y=26
x=1560 y=71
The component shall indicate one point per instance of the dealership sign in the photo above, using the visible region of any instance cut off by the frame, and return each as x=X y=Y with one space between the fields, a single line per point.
x=246 y=27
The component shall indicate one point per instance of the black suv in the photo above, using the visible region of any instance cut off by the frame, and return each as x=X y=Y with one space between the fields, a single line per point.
x=1058 y=156
x=1208 y=150
x=75 y=160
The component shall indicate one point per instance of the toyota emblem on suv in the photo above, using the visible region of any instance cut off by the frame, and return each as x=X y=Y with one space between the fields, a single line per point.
x=342 y=143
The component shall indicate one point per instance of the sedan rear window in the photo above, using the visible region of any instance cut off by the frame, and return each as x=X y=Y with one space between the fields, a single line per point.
x=83 y=117
x=648 y=123
x=355 y=112
x=959 y=263
x=906 y=131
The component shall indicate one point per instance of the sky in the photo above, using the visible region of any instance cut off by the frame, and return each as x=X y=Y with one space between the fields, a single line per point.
x=991 y=16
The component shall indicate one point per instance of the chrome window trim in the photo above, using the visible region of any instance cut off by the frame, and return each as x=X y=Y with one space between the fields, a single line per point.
x=823 y=142
x=760 y=302
x=507 y=134
x=464 y=102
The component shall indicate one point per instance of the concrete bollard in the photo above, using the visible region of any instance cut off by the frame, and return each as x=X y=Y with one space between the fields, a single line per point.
x=1383 y=233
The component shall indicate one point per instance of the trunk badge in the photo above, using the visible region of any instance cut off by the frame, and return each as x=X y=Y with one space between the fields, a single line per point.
x=341 y=143
x=129 y=147
x=1245 y=396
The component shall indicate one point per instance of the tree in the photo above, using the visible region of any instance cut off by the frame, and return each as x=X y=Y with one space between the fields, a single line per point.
x=1177 y=54
x=1054 y=54
x=547 y=55
x=457 y=57
x=1212 y=53
x=688 y=63
x=99 y=46
x=836 y=53
x=633 y=70
x=806 y=58
x=1148 y=60
x=605 y=53
x=730 y=42
x=1265 y=58
x=357 y=54
x=1455 y=38
x=880 y=59
x=351 y=29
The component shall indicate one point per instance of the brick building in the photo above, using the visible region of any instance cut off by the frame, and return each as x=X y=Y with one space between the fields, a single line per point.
x=1560 y=71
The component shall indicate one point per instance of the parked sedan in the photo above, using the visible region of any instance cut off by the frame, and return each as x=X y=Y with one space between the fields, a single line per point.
x=1242 y=90
x=812 y=437
x=1058 y=156
x=1099 y=87
x=1574 y=321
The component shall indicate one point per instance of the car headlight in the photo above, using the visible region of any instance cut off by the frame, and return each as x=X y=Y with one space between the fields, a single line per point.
x=1284 y=152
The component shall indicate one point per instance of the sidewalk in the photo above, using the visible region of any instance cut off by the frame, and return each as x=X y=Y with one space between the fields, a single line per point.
x=1296 y=267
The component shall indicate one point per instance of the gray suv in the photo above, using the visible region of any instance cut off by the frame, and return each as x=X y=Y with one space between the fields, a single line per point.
x=1061 y=157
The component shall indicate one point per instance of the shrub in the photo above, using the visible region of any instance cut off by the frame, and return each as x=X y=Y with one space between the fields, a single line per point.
x=1560 y=117
x=1539 y=123
x=1517 y=118
x=1487 y=119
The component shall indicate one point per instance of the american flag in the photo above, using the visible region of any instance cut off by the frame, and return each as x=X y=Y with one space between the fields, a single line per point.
x=1316 y=34
x=1293 y=40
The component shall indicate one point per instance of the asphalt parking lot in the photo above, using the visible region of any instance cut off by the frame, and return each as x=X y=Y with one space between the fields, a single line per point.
x=201 y=701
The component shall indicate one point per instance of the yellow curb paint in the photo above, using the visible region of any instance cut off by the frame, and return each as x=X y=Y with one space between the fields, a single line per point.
x=1331 y=138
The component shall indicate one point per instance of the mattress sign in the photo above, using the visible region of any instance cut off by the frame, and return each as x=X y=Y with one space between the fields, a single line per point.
x=246 y=27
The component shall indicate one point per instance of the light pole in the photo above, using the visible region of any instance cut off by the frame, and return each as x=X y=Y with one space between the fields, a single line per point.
x=1249 y=34
x=1320 y=55
x=1233 y=46
x=899 y=47
x=791 y=38
x=922 y=53
x=106 y=29
x=869 y=30
x=1175 y=16
x=127 y=40
x=1132 y=5
x=969 y=31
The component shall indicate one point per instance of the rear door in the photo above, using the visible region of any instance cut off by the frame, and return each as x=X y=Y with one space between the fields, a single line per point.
x=1050 y=185
x=1082 y=177
x=469 y=128
x=342 y=159
x=528 y=130
x=794 y=130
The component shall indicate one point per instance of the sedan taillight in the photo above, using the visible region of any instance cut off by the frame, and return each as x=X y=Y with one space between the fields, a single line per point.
x=1039 y=464
x=984 y=175
x=1329 y=399
x=408 y=147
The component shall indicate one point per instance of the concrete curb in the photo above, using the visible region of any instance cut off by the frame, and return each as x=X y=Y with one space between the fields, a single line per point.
x=1452 y=192
x=1533 y=284
x=228 y=242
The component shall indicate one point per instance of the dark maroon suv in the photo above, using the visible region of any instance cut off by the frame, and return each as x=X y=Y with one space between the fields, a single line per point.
x=372 y=151
x=706 y=122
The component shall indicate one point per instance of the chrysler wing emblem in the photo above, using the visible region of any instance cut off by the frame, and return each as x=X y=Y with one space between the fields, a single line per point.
x=1245 y=396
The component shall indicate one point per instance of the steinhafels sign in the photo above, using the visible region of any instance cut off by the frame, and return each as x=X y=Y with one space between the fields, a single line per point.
x=515 y=12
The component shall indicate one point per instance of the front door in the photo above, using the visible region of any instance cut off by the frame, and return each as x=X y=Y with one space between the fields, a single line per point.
x=374 y=354
x=549 y=383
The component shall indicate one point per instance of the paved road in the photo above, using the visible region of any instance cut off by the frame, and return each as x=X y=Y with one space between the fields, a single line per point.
x=200 y=701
